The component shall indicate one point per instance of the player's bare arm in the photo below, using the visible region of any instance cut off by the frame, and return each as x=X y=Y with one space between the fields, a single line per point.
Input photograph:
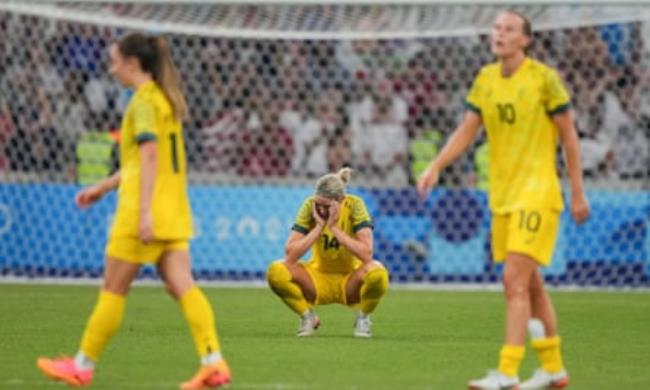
x=569 y=138
x=459 y=141
x=148 y=162
x=298 y=244
x=89 y=195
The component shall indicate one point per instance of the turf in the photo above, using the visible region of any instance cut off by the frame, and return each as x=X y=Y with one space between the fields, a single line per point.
x=422 y=340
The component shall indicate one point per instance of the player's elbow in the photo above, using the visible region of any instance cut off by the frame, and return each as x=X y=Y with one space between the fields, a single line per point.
x=291 y=252
x=366 y=254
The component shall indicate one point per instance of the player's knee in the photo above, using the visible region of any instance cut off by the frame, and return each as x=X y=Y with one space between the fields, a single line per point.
x=277 y=274
x=177 y=290
x=515 y=288
x=376 y=281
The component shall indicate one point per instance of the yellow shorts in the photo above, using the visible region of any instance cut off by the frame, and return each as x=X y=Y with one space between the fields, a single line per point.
x=530 y=232
x=133 y=250
x=330 y=287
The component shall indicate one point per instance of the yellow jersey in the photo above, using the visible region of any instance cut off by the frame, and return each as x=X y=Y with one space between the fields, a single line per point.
x=149 y=117
x=516 y=112
x=328 y=254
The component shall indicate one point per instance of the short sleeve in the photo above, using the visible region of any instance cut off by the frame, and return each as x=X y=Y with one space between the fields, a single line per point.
x=304 y=219
x=144 y=121
x=360 y=216
x=557 y=98
x=473 y=102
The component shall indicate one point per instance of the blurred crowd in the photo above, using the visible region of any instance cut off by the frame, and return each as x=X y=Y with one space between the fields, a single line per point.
x=268 y=109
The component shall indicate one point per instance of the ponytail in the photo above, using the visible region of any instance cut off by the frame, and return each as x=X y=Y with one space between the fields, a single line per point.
x=344 y=174
x=167 y=78
x=154 y=56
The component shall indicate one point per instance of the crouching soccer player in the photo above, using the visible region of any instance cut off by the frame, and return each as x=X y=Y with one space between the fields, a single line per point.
x=337 y=228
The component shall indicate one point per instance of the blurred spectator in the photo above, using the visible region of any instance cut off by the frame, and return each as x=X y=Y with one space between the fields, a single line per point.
x=310 y=147
x=312 y=132
x=355 y=56
x=35 y=143
x=588 y=77
x=389 y=150
x=266 y=146
x=625 y=115
x=269 y=107
x=339 y=153
x=97 y=156
x=71 y=110
x=219 y=140
x=424 y=148
x=423 y=91
x=47 y=74
x=380 y=115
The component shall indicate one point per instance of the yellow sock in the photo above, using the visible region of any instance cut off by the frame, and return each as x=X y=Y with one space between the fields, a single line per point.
x=279 y=279
x=102 y=324
x=375 y=284
x=510 y=359
x=548 y=352
x=200 y=317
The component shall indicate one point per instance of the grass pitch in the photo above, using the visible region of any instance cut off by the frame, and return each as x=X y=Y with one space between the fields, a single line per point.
x=421 y=340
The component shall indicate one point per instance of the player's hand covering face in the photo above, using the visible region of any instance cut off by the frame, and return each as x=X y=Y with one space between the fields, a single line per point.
x=321 y=208
x=318 y=213
x=333 y=213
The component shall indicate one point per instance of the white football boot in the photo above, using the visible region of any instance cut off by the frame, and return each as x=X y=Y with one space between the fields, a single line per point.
x=308 y=325
x=362 y=326
x=495 y=380
x=542 y=380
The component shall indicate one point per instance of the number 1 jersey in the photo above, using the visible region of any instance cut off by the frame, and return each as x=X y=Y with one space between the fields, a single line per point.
x=149 y=117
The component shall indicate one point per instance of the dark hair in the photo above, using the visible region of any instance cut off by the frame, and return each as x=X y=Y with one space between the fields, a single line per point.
x=155 y=58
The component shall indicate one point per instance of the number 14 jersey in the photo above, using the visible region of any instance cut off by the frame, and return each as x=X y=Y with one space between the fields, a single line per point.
x=328 y=254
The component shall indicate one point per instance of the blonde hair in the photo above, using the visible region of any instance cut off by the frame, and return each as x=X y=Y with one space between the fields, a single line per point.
x=332 y=185
x=155 y=57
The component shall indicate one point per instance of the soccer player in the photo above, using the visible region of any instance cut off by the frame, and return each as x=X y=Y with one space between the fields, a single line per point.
x=525 y=109
x=337 y=228
x=153 y=218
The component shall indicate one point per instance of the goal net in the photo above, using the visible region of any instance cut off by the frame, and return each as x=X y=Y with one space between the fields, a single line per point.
x=281 y=92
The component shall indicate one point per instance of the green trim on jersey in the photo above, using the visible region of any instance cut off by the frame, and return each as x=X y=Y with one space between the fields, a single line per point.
x=145 y=136
x=300 y=229
x=560 y=109
x=472 y=107
x=362 y=225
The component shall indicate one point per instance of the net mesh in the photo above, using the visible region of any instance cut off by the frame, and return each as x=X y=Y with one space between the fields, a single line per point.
x=280 y=94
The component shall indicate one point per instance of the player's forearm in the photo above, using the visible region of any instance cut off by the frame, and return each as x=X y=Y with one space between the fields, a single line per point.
x=148 y=162
x=569 y=138
x=360 y=248
x=574 y=166
x=459 y=141
x=295 y=249
x=110 y=183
